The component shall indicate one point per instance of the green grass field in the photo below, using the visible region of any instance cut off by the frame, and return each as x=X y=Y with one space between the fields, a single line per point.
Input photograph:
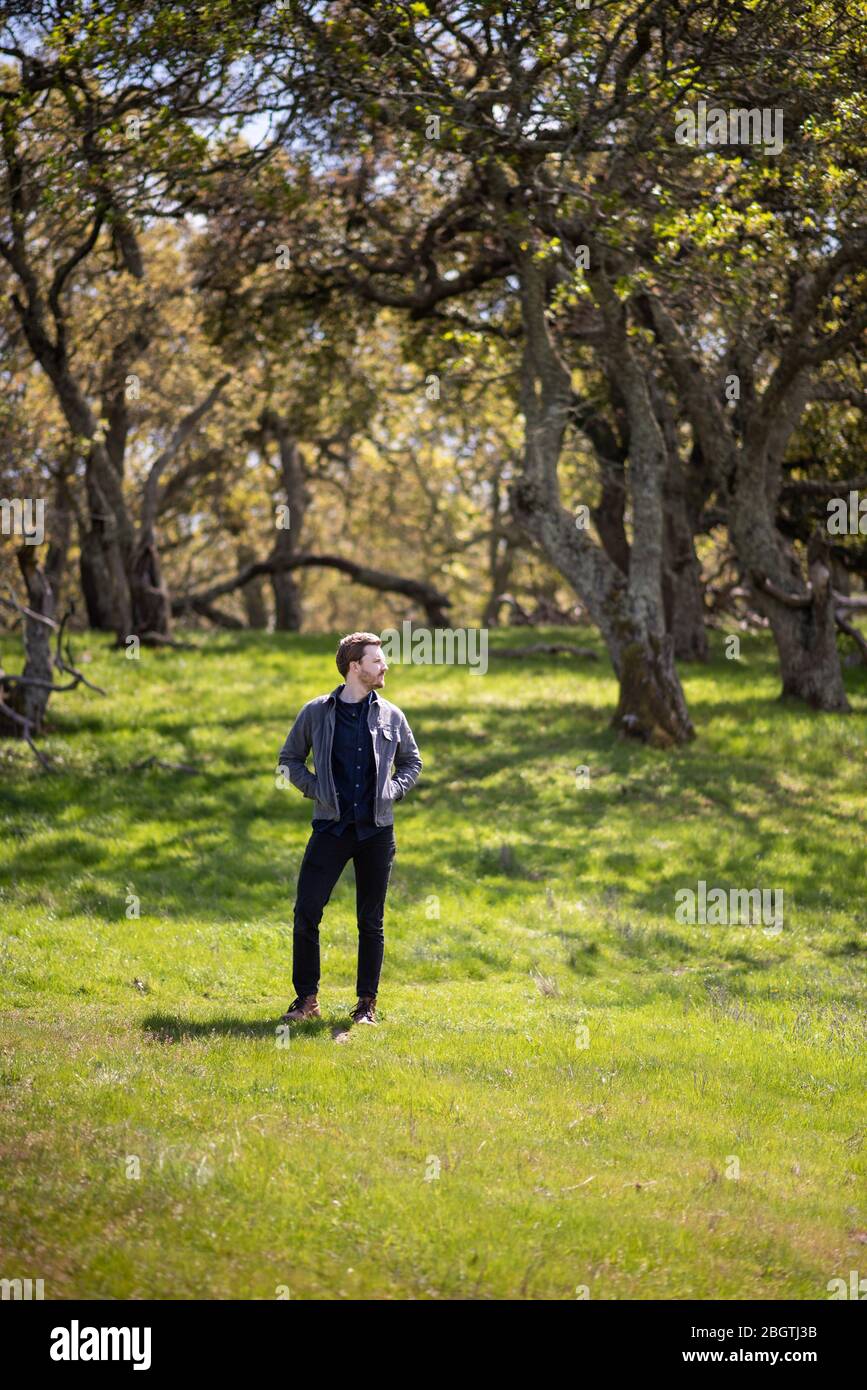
x=567 y=1090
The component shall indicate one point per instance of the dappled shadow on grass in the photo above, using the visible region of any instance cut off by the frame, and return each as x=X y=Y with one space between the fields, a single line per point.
x=651 y=942
x=217 y=858
x=742 y=865
x=168 y=726
x=751 y=961
x=850 y=947
x=490 y=772
x=772 y=706
x=172 y=1028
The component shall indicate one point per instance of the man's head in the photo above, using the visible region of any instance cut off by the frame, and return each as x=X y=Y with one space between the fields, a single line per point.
x=360 y=659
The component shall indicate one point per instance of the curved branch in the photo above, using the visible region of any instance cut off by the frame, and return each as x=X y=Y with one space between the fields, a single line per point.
x=851 y=631
x=766 y=586
x=424 y=593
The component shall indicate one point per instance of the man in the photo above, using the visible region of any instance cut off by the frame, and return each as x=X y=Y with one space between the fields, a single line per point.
x=355 y=736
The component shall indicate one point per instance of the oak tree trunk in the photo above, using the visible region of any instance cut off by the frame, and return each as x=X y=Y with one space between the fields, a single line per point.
x=287 y=594
x=684 y=598
x=287 y=602
x=801 y=614
x=31 y=701
x=806 y=639
x=151 y=604
x=627 y=609
x=96 y=584
x=252 y=594
x=106 y=548
x=651 y=706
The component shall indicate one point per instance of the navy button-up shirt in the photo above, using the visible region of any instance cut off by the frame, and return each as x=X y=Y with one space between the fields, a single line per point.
x=354 y=769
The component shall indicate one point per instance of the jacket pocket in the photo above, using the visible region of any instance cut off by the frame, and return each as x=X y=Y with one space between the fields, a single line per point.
x=392 y=791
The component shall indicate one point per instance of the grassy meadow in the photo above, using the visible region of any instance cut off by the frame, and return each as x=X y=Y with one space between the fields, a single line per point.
x=569 y=1093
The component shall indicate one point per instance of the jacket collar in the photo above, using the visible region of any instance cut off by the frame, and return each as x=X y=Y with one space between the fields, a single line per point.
x=337 y=689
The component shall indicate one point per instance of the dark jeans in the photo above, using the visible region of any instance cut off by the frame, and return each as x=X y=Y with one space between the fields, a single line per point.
x=324 y=860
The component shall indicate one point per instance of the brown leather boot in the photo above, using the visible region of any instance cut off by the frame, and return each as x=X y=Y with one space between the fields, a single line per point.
x=365 y=1009
x=300 y=1009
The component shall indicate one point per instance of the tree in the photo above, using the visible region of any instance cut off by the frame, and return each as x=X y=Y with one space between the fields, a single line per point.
x=89 y=149
x=545 y=126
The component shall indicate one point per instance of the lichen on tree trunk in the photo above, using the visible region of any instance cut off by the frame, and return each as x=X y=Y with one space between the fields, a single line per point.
x=806 y=636
x=651 y=706
x=809 y=659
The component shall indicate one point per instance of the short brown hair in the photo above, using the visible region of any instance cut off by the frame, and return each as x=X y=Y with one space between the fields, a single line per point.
x=351 y=648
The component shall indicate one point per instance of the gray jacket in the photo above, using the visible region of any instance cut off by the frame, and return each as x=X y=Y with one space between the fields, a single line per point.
x=392 y=743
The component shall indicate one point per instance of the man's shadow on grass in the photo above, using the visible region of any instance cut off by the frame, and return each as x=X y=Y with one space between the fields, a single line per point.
x=170 y=1028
